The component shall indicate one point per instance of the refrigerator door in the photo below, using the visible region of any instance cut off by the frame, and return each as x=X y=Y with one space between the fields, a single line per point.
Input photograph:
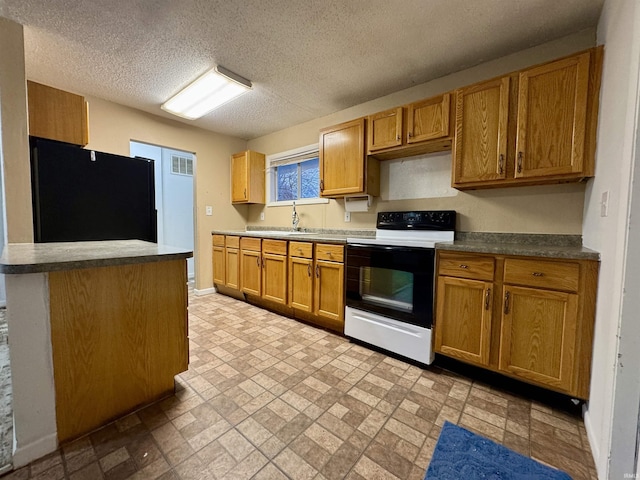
x=81 y=195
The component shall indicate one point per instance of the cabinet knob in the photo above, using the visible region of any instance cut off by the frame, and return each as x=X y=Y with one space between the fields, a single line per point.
x=398 y=138
x=501 y=164
x=321 y=185
x=487 y=297
x=538 y=274
x=409 y=135
x=462 y=265
x=506 y=302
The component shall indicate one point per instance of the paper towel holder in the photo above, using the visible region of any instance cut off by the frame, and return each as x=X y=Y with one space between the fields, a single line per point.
x=357 y=203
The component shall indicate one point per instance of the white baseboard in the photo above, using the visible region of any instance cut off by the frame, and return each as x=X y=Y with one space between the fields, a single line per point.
x=204 y=291
x=26 y=454
x=595 y=448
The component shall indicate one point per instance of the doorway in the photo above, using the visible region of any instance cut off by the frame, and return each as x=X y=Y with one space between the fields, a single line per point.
x=173 y=170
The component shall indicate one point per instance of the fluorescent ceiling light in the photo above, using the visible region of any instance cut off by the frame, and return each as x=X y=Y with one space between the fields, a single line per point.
x=214 y=88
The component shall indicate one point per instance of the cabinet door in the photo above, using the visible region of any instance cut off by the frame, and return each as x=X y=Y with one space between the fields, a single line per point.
x=57 y=115
x=329 y=290
x=232 y=267
x=552 y=116
x=301 y=283
x=463 y=319
x=342 y=159
x=239 y=177
x=218 y=265
x=384 y=130
x=274 y=278
x=480 y=145
x=251 y=272
x=537 y=339
x=428 y=119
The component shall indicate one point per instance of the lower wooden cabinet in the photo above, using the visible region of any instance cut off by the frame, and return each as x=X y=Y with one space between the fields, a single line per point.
x=232 y=262
x=301 y=279
x=250 y=266
x=219 y=270
x=464 y=319
x=274 y=271
x=301 y=273
x=529 y=318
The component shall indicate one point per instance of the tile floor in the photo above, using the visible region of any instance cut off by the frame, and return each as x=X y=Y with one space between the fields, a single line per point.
x=266 y=397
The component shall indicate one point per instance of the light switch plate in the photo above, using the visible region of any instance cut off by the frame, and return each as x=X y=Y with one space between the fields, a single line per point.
x=262 y=216
x=347 y=216
x=209 y=210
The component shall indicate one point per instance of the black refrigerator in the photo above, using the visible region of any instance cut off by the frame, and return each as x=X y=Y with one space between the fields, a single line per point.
x=82 y=195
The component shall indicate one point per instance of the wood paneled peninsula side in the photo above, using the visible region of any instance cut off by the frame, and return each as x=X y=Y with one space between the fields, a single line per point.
x=96 y=329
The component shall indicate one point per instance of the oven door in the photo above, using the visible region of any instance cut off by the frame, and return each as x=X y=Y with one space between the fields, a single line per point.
x=393 y=281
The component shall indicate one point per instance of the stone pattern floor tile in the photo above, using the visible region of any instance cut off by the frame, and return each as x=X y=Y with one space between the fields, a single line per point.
x=267 y=397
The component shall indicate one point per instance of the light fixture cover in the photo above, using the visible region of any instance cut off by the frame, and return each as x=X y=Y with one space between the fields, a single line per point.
x=209 y=91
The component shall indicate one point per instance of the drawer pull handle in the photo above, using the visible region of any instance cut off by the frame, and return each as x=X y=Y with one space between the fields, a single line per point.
x=501 y=164
x=487 y=296
x=519 y=162
x=462 y=265
x=317 y=271
x=538 y=274
x=258 y=261
x=308 y=269
x=506 y=302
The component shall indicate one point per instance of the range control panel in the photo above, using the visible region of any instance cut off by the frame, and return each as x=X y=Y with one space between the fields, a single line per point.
x=421 y=220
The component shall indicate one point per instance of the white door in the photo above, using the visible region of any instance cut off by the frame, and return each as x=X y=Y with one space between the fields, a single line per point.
x=173 y=171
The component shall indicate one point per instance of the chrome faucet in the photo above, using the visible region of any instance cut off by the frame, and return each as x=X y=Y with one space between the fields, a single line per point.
x=295 y=219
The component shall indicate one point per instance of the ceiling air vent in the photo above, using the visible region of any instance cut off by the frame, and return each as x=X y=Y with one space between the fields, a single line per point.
x=181 y=165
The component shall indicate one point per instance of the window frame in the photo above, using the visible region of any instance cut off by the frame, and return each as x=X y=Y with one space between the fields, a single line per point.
x=280 y=159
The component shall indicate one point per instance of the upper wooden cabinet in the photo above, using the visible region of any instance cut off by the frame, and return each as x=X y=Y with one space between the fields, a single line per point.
x=344 y=167
x=247 y=177
x=57 y=115
x=418 y=128
x=531 y=127
x=428 y=119
x=552 y=118
x=480 y=147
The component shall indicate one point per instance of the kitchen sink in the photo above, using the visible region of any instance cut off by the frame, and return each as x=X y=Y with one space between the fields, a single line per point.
x=282 y=233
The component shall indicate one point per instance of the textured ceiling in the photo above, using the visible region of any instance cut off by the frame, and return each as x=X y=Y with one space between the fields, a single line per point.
x=306 y=59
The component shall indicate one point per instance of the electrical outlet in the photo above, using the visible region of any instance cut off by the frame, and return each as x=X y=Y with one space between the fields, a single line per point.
x=209 y=210
x=347 y=216
x=604 y=204
x=262 y=216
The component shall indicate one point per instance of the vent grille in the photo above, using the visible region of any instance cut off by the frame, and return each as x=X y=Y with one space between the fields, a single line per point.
x=181 y=165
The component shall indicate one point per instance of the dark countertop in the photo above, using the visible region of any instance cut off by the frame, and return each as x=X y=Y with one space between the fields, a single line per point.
x=325 y=236
x=530 y=245
x=20 y=258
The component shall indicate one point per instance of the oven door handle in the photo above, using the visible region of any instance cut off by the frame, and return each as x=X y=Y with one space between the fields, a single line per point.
x=395 y=248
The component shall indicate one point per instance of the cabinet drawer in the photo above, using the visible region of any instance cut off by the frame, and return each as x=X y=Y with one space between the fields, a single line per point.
x=301 y=249
x=232 y=242
x=543 y=274
x=466 y=266
x=218 y=240
x=332 y=253
x=247 y=243
x=278 y=247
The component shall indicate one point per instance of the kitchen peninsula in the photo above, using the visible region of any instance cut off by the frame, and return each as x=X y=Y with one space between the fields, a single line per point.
x=96 y=330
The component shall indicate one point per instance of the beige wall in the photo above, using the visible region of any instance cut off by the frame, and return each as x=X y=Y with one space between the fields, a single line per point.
x=544 y=209
x=14 y=143
x=112 y=126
